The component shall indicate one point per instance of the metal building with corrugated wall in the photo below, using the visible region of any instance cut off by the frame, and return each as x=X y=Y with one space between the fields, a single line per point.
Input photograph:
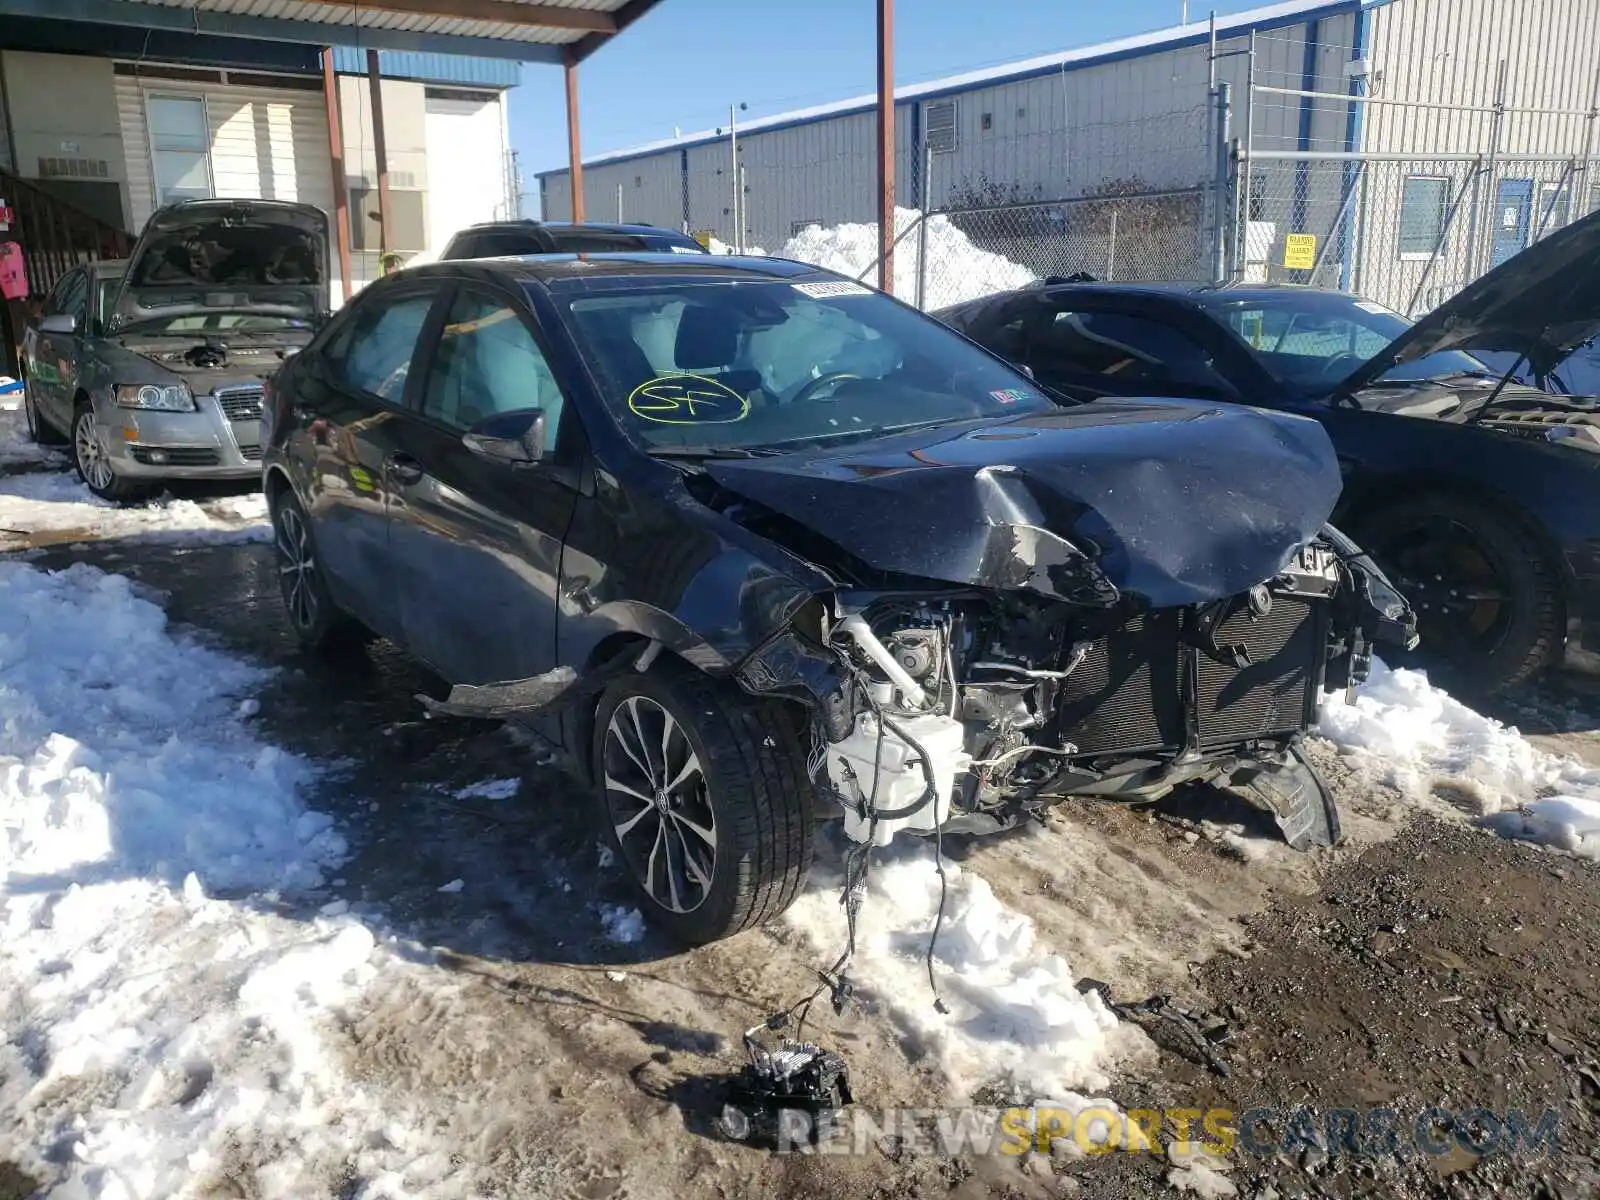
x=1404 y=145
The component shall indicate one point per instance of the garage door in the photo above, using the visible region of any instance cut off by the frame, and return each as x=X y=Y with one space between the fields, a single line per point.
x=466 y=150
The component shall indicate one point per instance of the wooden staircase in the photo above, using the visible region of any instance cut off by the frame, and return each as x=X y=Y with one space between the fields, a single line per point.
x=55 y=237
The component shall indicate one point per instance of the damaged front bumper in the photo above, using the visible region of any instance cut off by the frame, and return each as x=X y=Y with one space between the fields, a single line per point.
x=972 y=710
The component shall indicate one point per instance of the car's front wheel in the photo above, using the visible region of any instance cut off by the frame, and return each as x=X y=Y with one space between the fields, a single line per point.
x=705 y=799
x=94 y=467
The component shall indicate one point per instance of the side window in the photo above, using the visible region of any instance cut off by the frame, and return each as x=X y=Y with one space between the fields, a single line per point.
x=75 y=300
x=375 y=355
x=488 y=363
x=68 y=295
x=1122 y=348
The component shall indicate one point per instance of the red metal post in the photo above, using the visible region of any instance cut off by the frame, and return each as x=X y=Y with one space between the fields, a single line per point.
x=341 y=190
x=574 y=151
x=886 y=145
x=380 y=147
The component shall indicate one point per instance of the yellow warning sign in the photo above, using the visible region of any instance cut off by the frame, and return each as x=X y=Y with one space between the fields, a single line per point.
x=1300 y=251
x=703 y=236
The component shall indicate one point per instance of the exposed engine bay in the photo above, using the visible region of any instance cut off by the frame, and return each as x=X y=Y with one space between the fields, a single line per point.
x=971 y=711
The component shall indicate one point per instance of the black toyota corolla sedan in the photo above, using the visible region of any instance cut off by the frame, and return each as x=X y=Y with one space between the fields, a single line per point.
x=737 y=534
x=1478 y=491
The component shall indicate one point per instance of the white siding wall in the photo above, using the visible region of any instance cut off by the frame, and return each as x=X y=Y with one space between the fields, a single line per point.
x=467 y=153
x=63 y=107
x=266 y=142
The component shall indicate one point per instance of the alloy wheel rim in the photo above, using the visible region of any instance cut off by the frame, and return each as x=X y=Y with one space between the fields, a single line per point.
x=1457 y=587
x=297 y=568
x=659 y=804
x=92 y=462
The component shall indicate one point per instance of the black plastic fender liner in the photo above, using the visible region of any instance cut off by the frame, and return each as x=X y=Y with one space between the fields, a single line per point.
x=1295 y=793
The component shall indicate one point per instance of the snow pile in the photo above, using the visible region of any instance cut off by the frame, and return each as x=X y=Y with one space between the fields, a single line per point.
x=57 y=507
x=957 y=270
x=1016 y=1019
x=1421 y=740
x=622 y=924
x=160 y=1041
x=489 y=789
x=16 y=447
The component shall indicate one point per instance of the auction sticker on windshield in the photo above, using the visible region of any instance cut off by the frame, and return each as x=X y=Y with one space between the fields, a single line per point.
x=827 y=291
x=687 y=400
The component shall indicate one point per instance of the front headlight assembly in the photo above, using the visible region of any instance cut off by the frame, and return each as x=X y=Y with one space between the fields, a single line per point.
x=174 y=397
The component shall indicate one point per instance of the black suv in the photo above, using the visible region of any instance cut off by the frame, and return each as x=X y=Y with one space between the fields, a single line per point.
x=505 y=239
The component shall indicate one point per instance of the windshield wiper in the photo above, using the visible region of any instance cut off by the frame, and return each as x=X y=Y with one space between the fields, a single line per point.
x=710 y=452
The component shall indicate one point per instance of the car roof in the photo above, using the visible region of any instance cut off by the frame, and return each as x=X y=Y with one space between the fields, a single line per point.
x=597 y=226
x=569 y=271
x=1199 y=292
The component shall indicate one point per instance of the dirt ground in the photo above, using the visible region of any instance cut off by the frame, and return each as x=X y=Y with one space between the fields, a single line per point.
x=1421 y=964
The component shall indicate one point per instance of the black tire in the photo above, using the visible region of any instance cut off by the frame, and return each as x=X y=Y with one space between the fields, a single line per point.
x=753 y=784
x=40 y=431
x=319 y=624
x=93 y=465
x=1491 y=599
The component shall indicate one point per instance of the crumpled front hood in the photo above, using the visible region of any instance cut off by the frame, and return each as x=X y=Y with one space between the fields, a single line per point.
x=1541 y=304
x=1171 y=502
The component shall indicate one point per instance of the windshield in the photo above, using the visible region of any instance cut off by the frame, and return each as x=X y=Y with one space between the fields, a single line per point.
x=1313 y=340
x=735 y=366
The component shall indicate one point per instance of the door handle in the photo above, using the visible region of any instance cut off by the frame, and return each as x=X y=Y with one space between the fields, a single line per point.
x=402 y=468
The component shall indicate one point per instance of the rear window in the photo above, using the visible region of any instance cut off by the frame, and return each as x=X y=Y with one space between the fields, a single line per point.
x=595 y=241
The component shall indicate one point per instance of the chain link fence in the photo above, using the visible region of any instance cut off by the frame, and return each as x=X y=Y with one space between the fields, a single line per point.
x=1406 y=231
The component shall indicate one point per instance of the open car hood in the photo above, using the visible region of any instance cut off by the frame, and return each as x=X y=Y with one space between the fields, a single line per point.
x=200 y=257
x=1170 y=502
x=1542 y=303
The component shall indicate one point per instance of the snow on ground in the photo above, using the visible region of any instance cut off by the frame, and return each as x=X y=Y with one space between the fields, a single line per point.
x=1415 y=736
x=41 y=504
x=1015 y=1020
x=38 y=504
x=16 y=447
x=957 y=270
x=165 y=1024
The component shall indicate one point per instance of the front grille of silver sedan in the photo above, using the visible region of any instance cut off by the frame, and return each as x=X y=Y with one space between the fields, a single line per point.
x=240 y=403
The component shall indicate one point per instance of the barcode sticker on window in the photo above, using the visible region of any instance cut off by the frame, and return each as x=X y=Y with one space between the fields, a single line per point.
x=826 y=291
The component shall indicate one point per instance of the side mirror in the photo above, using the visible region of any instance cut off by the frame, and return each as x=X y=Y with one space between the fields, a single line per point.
x=516 y=438
x=64 y=323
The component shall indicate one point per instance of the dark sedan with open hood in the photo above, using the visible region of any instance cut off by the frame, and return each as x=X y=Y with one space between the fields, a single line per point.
x=158 y=375
x=738 y=533
x=1476 y=486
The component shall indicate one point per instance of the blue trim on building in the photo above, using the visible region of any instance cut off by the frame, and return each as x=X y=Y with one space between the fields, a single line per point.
x=1352 y=144
x=431 y=68
x=1308 y=83
x=270 y=29
x=1288 y=20
x=41 y=35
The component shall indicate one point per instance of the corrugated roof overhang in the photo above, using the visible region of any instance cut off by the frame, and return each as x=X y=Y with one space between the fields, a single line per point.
x=536 y=31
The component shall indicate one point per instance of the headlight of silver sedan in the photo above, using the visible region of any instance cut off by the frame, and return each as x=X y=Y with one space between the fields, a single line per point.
x=173 y=397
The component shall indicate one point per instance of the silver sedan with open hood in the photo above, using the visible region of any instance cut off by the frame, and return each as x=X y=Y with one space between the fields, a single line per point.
x=161 y=376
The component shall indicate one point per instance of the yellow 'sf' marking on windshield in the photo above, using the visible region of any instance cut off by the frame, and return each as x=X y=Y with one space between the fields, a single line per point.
x=687 y=400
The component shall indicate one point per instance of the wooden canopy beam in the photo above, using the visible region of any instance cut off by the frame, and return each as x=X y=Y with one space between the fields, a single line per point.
x=621 y=19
